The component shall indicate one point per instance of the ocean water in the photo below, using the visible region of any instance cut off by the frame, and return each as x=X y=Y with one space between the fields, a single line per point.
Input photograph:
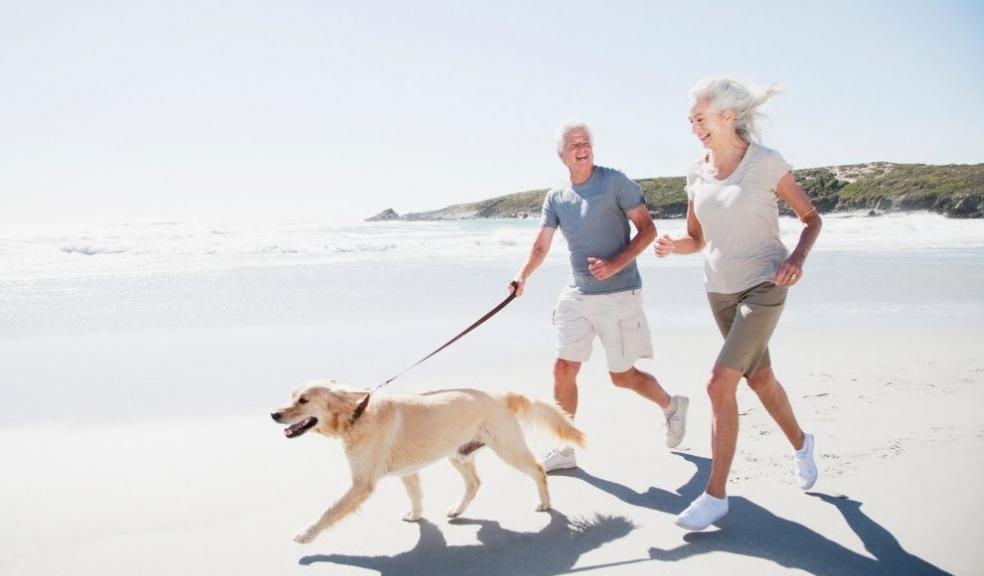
x=130 y=250
x=175 y=273
x=149 y=316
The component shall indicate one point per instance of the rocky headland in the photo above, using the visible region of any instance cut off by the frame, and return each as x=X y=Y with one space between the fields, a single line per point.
x=955 y=190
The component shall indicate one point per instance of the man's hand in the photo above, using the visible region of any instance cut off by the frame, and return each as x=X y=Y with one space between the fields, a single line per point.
x=516 y=286
x=602 y=269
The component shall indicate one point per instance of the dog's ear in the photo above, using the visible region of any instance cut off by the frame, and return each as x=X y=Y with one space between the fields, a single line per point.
x=352 y=399
x=339 y=408
x=352 y=407
x=360 y=406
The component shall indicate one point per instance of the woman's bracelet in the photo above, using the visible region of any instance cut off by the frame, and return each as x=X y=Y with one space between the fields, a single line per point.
x=808 y=214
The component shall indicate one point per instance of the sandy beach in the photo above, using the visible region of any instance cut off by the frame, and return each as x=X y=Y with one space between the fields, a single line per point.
x=206 y=205
x=137 y=436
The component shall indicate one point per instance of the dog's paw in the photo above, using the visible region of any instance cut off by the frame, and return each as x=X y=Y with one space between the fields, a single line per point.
x=305 y=536
x=542 y=507
x=412 y=516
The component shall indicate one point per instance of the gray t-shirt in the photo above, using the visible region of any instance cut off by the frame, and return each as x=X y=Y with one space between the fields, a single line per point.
x=739 y=216
x=592 y=217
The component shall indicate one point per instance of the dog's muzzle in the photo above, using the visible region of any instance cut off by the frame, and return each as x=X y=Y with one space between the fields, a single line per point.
x=295 y=430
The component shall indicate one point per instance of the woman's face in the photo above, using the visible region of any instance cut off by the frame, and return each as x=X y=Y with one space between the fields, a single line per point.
x=710 y=125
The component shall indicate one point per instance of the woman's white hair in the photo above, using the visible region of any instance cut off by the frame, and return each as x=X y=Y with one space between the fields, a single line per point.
x=565 y=128
x=729 y=94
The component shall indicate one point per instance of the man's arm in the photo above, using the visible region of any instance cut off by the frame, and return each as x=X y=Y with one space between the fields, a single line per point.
x=541 y=246
x=645 y=234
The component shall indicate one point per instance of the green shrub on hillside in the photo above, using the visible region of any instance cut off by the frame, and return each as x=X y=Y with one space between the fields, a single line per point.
x=954 y=190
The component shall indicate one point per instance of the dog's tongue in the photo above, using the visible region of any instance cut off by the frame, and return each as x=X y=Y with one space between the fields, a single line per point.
x=295 y=430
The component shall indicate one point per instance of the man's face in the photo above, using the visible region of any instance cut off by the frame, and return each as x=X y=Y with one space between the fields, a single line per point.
x=577 y=154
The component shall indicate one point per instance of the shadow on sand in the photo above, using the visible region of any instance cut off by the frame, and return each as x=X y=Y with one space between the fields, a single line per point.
x=748 y=529
x=751 y=530
x=553 y=550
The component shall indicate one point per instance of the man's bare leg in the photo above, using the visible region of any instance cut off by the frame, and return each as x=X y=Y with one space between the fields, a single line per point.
x=643 y=384
x=565 y=384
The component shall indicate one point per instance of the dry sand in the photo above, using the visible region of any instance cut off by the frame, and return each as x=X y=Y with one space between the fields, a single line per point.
x=896 y=409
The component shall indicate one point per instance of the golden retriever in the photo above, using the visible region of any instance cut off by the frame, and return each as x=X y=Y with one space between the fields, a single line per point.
x=398 y=434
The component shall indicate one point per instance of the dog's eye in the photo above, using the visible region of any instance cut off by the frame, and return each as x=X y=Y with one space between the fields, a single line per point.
x=302 y=400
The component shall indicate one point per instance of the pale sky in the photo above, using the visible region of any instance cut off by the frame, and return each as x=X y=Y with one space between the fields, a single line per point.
x=219 y=110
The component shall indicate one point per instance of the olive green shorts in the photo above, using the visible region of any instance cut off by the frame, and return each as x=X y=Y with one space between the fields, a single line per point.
x=746 y=320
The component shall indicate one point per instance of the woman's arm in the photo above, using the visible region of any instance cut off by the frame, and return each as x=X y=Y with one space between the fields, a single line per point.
x=791 y=270
x=692 y=242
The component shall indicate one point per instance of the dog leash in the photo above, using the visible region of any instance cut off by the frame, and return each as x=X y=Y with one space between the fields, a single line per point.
x=360 y=408
x=512 y=296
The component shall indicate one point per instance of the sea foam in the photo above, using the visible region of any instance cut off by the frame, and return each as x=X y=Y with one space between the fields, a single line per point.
x=135 y=249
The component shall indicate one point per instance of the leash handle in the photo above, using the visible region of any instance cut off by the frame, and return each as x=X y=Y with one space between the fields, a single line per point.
x=512 y=296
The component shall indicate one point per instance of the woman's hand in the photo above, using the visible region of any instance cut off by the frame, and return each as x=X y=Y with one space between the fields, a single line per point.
x=664 y=246
x=789 y=273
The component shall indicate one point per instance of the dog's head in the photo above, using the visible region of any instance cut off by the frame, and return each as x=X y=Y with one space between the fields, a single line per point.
x=320 y=406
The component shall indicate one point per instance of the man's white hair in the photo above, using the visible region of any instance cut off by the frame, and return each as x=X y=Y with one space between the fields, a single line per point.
x=725 y=93
x=568 y=126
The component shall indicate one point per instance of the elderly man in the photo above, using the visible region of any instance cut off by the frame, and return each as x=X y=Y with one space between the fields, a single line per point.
x=604 y=298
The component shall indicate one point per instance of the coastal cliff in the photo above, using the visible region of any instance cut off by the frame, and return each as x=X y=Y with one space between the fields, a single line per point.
x=956 y=191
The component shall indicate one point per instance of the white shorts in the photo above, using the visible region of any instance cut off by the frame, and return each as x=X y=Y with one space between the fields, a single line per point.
x=617 y=319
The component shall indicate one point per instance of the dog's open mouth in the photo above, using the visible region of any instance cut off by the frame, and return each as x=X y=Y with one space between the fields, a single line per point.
x=295 y=430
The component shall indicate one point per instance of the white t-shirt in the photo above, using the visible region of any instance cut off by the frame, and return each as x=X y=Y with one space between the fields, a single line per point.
x=740 y=219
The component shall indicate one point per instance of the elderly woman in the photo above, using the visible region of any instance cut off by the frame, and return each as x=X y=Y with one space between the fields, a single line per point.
x=732 y=216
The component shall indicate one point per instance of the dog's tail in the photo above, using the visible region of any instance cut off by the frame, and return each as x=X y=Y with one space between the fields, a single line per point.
x=545 y=414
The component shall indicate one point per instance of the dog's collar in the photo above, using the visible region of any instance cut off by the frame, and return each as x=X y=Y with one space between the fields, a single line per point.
x=359 y=409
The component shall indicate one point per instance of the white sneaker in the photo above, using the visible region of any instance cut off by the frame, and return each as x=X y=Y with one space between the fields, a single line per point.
x=559 y=459
x=676 y=423
x=702 y=512
x=806 y=466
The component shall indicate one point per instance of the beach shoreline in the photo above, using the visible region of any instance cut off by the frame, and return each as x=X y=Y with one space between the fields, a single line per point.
x=141 y=438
